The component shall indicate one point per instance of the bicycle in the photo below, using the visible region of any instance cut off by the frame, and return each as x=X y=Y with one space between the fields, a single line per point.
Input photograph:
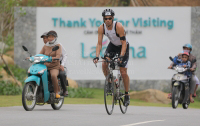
x=114 y=91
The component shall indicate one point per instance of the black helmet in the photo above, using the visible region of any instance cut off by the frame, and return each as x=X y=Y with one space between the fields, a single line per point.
x=52 y=33
x=108 y=12
x=44 y=34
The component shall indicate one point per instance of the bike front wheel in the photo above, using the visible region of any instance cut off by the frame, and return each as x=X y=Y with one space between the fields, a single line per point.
x=123 y=108
x=109 y=94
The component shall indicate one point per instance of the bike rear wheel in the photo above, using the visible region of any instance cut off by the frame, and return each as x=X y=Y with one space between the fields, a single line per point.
x=122 y=96
x=109 y=94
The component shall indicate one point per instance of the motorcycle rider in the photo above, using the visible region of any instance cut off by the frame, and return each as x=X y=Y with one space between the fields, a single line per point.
x=118 y=45
x=62 y=72
x=197 y=84
x=53 y=66
x=192 y=59
x=184 y=62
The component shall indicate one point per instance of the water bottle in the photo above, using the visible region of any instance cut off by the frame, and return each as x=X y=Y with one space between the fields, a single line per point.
x=116 y=83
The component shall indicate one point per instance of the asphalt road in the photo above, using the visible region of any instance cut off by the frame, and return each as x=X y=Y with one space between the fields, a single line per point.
x=95 y=115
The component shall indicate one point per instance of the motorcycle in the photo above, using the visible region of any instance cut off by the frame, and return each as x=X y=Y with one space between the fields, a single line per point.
x=180 y=87
x=38 y=88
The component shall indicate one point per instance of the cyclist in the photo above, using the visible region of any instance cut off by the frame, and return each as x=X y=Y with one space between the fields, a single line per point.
x=118 y=45
x=63 y=58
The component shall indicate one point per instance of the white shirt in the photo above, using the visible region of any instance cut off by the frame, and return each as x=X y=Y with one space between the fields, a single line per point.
x=111 y=34
x=63 y=57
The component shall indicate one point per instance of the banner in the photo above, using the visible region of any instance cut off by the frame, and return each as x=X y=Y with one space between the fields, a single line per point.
x=154 y=34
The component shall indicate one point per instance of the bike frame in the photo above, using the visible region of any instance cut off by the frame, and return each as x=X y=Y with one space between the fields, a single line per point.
x=116 y=67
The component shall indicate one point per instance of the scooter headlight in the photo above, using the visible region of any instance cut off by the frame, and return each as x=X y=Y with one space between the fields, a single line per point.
x=41 y=71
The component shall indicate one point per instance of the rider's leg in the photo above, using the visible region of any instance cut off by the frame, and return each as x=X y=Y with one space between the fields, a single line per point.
x=197 y=84
x=63 y=82
x=192 y=87
x=105 y=68
x=125 y=77
x=195 y=94
x=109 y=53
x=54 y=74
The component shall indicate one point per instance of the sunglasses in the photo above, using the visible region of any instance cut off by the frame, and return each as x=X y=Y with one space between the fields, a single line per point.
x=107 y=18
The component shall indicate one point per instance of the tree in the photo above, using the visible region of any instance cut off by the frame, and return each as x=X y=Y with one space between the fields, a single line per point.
x=7 y=24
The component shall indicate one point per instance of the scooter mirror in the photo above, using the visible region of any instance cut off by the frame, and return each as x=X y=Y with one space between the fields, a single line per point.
x=171 y=58
x=55 y=48
x=25 y=49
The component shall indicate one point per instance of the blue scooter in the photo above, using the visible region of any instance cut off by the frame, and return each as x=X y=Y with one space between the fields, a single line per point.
x=38 y=88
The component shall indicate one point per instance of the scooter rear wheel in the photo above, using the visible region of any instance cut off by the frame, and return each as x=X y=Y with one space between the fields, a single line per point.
x=57 y=106
x=185 y=105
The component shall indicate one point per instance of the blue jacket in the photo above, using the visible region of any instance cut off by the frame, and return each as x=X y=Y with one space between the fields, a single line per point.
x=179 y=62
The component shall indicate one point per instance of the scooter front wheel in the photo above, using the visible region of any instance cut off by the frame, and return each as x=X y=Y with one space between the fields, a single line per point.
x=28 y=99
x=175 y=97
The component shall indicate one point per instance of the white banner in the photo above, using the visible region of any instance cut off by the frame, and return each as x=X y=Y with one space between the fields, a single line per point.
x=154 y=34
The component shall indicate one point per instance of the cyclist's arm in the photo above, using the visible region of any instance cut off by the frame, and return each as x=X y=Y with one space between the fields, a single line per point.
x=121 y=32
x=100 y=37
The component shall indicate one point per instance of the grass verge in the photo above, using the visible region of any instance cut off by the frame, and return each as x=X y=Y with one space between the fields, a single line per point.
x=6 y=101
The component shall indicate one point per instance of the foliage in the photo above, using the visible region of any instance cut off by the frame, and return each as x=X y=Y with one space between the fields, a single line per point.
x=9 y=40
x=18 y=72
x=60 y=4
x=32 y=3
x=7 y=18
x=198 y=94
x=80 y=93
x=80 y=3
x=7 y=88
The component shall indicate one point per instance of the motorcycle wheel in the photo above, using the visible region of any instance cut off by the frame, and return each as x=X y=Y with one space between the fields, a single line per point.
x=57 y=106
x=28 y=99
x=185 y=105
x=175 y=97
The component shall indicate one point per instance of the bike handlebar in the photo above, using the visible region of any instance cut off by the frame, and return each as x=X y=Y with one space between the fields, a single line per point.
x=108 y=61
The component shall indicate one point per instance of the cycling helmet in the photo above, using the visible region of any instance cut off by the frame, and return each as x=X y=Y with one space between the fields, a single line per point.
x=108 y=12
x=188 y=46
x=52 y=33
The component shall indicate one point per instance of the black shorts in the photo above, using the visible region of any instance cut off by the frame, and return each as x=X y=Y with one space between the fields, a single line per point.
x=112 y=50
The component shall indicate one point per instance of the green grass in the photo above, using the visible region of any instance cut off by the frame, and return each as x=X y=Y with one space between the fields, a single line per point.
x=6 y=101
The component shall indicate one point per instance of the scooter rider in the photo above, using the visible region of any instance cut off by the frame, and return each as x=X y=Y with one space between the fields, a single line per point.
x=192 y=59
x=63 y=58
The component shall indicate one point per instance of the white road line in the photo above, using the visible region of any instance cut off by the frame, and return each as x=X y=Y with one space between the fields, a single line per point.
x=142 y=122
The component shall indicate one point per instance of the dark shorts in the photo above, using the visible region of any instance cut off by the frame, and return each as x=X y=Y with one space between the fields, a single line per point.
x=112 y=50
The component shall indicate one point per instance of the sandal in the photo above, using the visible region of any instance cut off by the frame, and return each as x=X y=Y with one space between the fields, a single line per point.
x=194 y=95
x=169 y=96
